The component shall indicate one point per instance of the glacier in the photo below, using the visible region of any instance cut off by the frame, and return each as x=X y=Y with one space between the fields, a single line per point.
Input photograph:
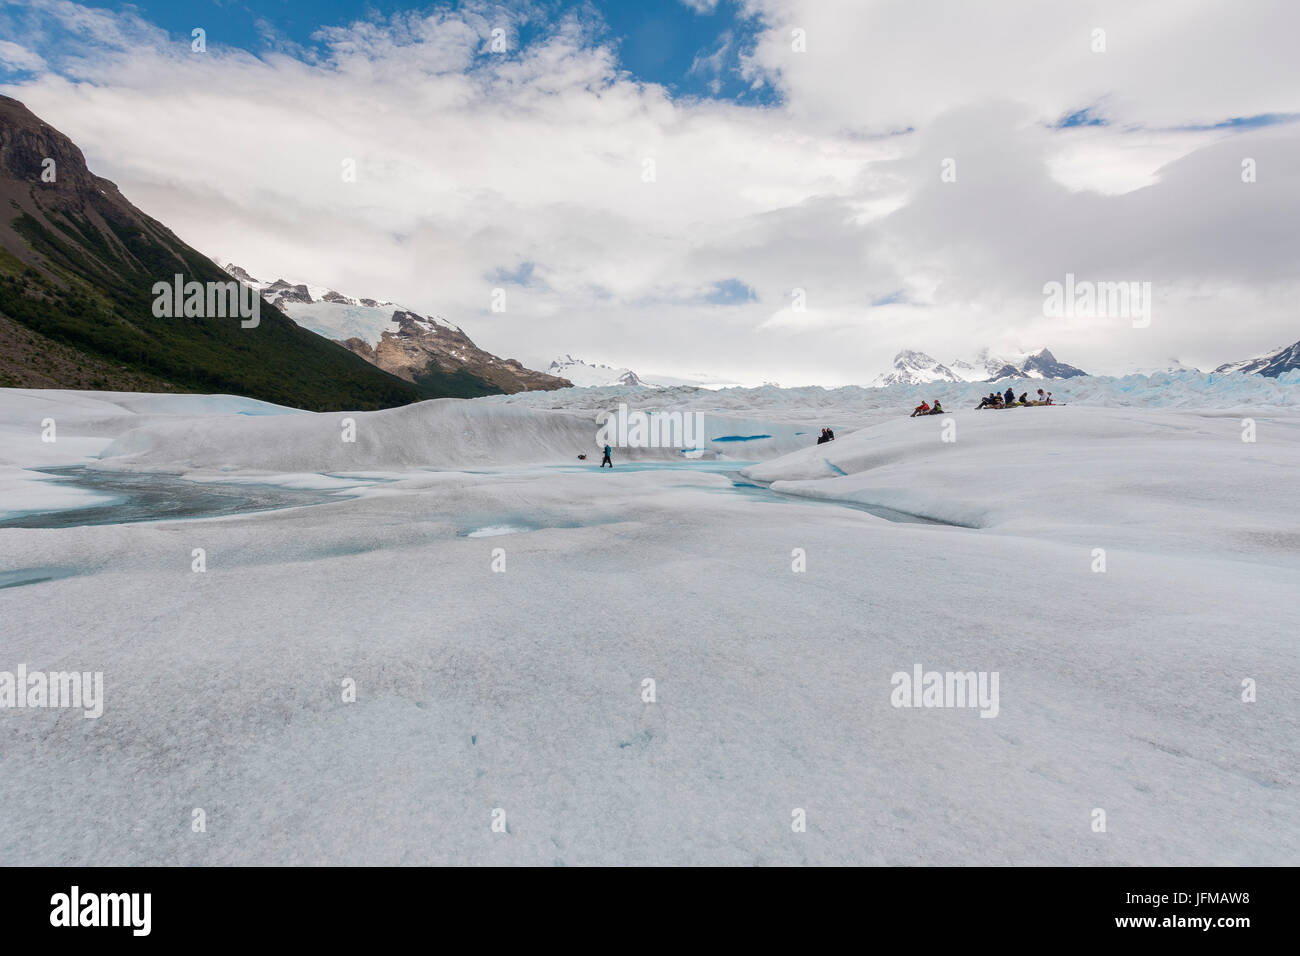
x=498 y=607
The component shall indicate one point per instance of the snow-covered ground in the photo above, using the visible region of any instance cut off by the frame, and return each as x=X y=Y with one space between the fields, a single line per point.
x=522 y=689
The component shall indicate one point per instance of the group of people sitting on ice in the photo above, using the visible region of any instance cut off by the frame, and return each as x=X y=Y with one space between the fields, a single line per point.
x=991 y=400
x=1009 y=400
x=825 y=436
x=924 y=409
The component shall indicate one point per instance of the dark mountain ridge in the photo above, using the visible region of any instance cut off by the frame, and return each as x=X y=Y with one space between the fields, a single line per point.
x=78 y=266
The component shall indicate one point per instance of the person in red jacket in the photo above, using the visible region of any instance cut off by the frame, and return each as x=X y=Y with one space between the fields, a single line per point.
x=922 y=409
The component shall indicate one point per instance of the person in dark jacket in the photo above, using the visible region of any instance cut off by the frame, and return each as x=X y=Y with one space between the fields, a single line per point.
x=607 y=460
x=1010 y=397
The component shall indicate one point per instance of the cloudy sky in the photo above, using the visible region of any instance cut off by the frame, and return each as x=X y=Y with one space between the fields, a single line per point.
x=756 y=190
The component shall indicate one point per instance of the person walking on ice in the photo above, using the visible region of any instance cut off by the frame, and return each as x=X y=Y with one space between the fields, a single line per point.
x=607 y=460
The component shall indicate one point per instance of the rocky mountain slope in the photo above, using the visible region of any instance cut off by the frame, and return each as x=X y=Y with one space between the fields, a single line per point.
x=78 y=268
x=1270 y=365
x=413 y=347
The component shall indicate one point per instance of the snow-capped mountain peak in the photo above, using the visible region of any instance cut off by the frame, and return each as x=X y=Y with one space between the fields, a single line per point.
x=586 y=374
x=912 y=367
x=397 y=339
x=915 y=368
x=1040 y=364
x=357 y=316
x=1270 y=364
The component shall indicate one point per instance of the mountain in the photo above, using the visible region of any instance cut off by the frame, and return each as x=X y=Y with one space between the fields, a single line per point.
x=78 y=267
x=1040 y=364
x=585 y=374
x=917 y=368
x=1270 y=365
x=419 y=349
x=591 y=374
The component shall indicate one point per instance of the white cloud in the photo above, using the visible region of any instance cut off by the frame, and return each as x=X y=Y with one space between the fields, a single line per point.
x=891 y=64
x=471 y=162
x=17 y=57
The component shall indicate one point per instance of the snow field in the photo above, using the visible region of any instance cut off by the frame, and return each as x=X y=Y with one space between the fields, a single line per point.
x=521 y=689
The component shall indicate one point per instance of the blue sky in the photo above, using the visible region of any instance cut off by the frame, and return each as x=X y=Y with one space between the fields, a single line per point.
x=690 y=51
x=759 y=191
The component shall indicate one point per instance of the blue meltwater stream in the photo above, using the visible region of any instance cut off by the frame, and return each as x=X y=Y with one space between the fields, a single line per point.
x=135 y=497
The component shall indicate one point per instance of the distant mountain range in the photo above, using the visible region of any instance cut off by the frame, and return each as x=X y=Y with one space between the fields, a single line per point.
x=589 y=375
x=916 y=368
x=1270 y=364
x=595 y=375
x=413 y=347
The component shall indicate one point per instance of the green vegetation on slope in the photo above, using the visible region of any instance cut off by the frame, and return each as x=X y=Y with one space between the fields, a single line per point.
x=97 y=298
